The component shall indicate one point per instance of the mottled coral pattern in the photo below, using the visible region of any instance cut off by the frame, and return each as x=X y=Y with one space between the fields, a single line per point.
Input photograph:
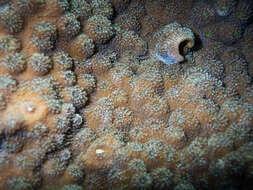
x=126 y=95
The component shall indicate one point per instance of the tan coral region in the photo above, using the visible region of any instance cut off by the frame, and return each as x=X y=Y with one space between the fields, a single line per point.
x=126 y=95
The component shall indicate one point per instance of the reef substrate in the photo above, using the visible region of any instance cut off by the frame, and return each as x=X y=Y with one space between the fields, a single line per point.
x=126 y=94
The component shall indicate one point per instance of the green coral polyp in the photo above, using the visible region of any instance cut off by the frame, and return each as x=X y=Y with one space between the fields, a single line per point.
x=208 y=34
x=236 y=33
x=224 y=7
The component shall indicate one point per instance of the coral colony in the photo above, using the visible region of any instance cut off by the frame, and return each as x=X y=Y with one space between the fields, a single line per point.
x=126 y=94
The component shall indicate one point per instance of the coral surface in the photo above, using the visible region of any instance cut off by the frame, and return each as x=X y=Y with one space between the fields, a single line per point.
x=126 y=95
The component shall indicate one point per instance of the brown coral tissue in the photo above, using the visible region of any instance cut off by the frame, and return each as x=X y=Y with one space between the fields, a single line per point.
x=126 y=95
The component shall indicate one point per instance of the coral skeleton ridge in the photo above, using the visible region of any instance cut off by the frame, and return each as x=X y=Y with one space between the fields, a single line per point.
x=126 y=94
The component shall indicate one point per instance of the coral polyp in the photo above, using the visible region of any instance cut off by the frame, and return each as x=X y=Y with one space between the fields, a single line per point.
x=82 y=47
x=224 y=7
x=9 y=43
x=40 y=63
x=14 y=63
x=68 y=26
x=99 y=29
x=10 y=19
x=126 y=95
x=103 y=8
x=62 y=61
x=82 y=9
x=244 y=11
x=44 y=36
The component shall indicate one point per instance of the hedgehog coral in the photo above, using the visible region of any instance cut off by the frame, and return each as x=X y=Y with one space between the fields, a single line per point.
x=184 y=186
x=32 y=109
x=100 y=64
x=47 y=88
x=121 y=76
x=12 y=144
x=136 y=9
x=68 y=26
x=102 y=7
x=11 y=19
x=82 y=9
x=60 y=5
x=40 y=63
x=86 y=101
x=238 y=82
x=156 y=107
x=74 y=172
x=77 y=121
x=172 y=42
x=162 y=178
x=148 y=26
x=130 y=41
x=128 y=22
x=82 y=47
x=75 y=95
x=62 y=61
x=66 y=78
x=9 y=44
x=14 y=63
x=141 y=181
x=119 y=97
x=24 y=7
x=8 y=84
x=72 y=187
x=99 y=29
x=21 y=183
x=82 y=140
x=81 y=67
x=53 y=168
x=44 y=36
x=102 y=150
x=62 y=123
x=88 y=82
x=2 y=102
x=122 y=117
x=100 y=115
x=158 y=10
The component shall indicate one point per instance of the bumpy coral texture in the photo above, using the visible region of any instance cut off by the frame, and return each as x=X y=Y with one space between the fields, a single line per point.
x=126 y=95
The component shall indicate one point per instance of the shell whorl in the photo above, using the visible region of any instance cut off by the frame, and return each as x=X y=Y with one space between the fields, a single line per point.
x=171 y=43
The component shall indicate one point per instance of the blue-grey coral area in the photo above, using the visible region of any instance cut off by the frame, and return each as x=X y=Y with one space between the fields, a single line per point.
x=167 y=58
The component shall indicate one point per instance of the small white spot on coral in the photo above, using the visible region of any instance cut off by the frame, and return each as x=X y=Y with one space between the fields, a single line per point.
x=30 y=107
x=99 y=151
